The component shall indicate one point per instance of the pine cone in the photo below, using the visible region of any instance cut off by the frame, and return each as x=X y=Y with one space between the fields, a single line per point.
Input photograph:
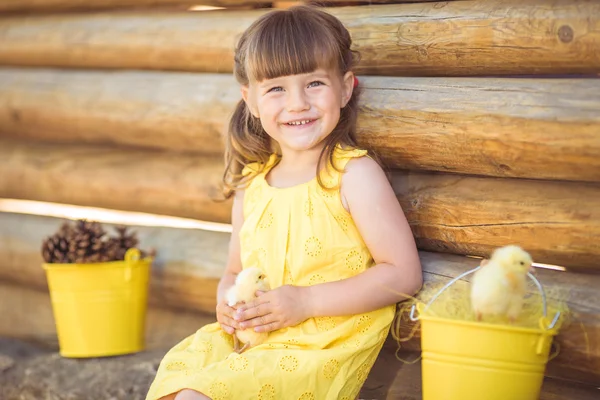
x=55 y=249
x=118 y=246
x=86 y=242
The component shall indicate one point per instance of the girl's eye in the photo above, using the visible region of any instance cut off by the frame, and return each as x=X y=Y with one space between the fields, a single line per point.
x=275 y=89
x=315 y=84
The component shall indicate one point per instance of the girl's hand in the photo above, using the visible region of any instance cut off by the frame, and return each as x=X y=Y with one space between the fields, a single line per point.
x=225 y=317
x=276 y=309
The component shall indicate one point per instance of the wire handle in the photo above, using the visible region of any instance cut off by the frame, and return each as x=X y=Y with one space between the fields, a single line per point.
x=447 y=285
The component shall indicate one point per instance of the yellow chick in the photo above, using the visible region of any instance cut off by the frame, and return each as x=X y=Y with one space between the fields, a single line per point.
x=498 y=287
x=244 y=290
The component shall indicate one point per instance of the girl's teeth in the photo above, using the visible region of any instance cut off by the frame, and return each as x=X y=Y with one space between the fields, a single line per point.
x=299 y=122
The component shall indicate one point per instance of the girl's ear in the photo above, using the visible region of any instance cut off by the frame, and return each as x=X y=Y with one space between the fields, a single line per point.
x=246 y=96
x=347 y=87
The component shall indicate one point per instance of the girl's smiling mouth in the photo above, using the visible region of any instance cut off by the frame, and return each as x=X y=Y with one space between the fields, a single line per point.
x=300 y=122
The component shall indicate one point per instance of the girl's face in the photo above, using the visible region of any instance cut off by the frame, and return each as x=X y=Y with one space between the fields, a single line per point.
x=299 y=111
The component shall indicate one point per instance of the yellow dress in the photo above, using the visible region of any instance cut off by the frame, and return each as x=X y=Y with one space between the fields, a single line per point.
x=300 y=235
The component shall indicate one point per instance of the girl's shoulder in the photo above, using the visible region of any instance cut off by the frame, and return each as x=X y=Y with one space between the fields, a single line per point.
x=360 y=169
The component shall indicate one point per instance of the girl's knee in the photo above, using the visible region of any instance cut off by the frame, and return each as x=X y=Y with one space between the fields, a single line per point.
x=189 y=394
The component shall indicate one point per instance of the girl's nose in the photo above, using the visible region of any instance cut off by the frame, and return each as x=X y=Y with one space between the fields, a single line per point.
x=297 y=101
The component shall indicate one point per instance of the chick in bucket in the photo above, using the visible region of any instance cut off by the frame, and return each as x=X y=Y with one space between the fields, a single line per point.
x=502 y=290
x=499 y=286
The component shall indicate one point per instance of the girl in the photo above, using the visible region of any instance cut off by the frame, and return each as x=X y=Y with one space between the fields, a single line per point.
x=311 y=209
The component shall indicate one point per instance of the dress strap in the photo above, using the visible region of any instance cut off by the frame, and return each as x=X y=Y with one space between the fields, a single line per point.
x=254 y=168
x=332 y=176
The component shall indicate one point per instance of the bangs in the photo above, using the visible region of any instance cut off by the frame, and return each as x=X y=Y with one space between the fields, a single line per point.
x=290 y=45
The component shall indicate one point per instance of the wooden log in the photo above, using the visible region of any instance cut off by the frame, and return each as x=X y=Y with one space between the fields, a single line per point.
x=37 y=6
x=15 y=6
x=177 y=184
x=177 y=111
x=446 y=38
x=193 y=286
x=557 y=222
x=526 y=128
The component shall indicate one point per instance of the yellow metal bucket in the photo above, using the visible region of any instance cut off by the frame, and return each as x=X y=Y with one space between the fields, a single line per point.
x=463 y=360
x=100 y=309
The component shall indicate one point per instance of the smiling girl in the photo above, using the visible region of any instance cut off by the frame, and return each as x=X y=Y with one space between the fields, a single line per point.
x=315 y=212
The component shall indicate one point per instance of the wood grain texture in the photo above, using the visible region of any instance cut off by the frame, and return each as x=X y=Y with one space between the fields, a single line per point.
x=174 y=111
x=526 y=128
x=423 y=39
x=190 y=262
x=177 y=184
x=84 y=5
x=557 y=222
x=16 y=6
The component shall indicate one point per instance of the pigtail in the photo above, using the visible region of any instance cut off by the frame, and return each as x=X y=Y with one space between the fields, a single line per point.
x=246 y=142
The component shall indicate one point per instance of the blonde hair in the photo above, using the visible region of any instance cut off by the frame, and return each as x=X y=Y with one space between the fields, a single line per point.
x=297 y=40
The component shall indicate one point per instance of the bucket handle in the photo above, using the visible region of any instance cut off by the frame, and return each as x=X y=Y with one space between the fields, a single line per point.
x=447 y=285
x=131 y=257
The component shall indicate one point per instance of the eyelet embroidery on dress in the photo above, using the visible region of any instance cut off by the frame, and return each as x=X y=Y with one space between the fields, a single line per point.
x=219 y=391
x=266 y=221
x=176 y=366
x=364 y=323
x=308 y=208
x=363 y=371
x=307 y=396
x=288 y=363
x=267 y=392
x=342 y=221
x=238 y=363
x=327 y=192
x=331 y=368
x=293 y=341
x=316 y=278
x=354 y=260
x=201 y=347
x=325 y=323
x=352 y=343
x=313 y=246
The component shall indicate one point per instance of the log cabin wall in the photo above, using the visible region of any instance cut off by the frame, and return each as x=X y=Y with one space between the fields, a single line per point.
x=486 y=112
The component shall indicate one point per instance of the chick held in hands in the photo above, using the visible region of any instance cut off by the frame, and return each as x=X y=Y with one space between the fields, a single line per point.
x=247 y=283
x=498 y=287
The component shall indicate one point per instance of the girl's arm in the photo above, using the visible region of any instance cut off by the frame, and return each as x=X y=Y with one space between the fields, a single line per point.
x=234 y=265
x=387 y=234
